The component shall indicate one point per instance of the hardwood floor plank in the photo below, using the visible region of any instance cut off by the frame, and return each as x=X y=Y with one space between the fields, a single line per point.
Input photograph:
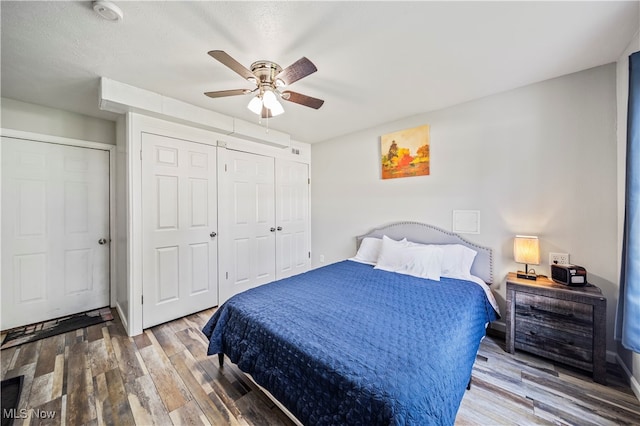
x=121 y=410
x=170 y=387
x=125 y=353
x=58 y=377
x=41 y=389
x=579 y=396
x=142 y=340
x=27 y=371
x=94 y=333
x=47 y=356
x=100 y=376
x=101 y=360
x=48 y=414
x=198 y=383
x=80 y=393
x=28 y=354
x=194 y=341
x=166 y=337
x=103 y=404
x=189 y=414
x=146 y=405
x=8 y=359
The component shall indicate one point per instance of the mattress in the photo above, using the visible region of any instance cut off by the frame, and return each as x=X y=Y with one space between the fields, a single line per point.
x=350 y=344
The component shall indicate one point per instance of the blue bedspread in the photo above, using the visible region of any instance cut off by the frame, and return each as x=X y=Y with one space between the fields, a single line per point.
x=349 y=344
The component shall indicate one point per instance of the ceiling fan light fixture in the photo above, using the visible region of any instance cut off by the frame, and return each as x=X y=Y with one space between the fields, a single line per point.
x=280 y=82
x=108 y=11
x=269 y=99
x=276 y=109
x=255 y=105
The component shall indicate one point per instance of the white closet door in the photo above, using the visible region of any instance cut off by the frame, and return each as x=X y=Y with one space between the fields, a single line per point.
x=179 y=217
x=55 y=211
x=292 y=218
x=247 y=225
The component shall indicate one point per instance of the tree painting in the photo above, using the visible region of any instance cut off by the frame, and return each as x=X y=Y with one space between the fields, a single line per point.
x=405 y=153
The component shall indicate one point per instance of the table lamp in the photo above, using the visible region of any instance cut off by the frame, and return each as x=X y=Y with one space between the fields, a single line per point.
x=526 y=249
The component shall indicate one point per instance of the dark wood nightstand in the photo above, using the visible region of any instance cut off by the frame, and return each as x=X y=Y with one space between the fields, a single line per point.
x=562 y=323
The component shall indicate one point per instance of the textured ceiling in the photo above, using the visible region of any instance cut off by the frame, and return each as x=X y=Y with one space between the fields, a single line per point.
x=377 y=61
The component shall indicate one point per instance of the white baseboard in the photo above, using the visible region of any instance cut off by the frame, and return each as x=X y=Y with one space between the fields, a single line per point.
x=123 y=317
x=635 y=386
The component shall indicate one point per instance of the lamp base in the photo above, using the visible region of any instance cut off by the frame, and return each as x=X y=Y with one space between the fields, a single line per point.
x=524 y=275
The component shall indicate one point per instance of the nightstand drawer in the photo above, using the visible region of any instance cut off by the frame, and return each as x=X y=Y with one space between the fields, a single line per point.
x=558 y=312
x=558 y=343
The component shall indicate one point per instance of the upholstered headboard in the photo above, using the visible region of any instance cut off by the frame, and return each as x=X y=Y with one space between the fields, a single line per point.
x=428 y=234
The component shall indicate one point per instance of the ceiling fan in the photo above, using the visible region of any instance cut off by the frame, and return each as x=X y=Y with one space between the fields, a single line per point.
x=270 y=79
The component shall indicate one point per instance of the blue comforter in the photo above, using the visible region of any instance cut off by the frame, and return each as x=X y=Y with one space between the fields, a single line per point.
x=349 y=344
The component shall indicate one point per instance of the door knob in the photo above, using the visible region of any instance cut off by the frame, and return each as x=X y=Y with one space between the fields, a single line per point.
x=272 y=229
x=279 y=228
x=102 y=241
x=213 y=234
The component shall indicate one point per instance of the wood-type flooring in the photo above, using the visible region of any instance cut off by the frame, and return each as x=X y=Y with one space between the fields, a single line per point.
x=99 y=375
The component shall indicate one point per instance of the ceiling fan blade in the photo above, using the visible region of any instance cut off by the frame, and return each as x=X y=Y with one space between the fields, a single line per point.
x=299 y=69
x=223 y=93
x=301 y=99
x=266 y=113
x=227 y=60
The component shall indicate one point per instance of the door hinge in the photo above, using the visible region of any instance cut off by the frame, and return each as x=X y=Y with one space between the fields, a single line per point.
x=309 y=181
x=309 y=255
x=141 y=154
x=142 y=299
x=225 y=167
x=227 y=275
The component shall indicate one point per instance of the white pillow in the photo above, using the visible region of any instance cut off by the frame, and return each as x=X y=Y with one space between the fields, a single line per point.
x=422 y=261
x=390 y=258
x=456 y=260
x=369 y=251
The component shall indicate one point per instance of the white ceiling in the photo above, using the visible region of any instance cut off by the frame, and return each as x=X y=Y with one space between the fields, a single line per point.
x=377 y=61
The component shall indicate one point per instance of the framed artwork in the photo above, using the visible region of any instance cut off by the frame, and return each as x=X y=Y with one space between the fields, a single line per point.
x=405 y=153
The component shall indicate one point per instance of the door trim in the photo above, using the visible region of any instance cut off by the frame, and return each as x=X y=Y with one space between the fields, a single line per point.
x=38 y=137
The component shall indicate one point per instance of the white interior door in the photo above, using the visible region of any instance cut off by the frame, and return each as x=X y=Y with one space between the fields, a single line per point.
x=247 y=221
x=179 y=242
x=55 y=212
x=292 y=218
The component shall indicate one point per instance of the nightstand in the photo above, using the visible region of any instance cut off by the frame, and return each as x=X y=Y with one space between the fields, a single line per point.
x=562 y=323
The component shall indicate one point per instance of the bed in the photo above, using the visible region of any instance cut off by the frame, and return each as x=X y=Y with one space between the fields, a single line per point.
x=353 y=343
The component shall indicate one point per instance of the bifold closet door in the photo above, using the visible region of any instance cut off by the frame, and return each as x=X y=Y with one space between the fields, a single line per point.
x=247 y=221
x=55 y=230
x=179 y=242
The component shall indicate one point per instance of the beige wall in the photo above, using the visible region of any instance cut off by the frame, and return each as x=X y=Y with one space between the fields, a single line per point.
x=33 y=118
x=537 y=160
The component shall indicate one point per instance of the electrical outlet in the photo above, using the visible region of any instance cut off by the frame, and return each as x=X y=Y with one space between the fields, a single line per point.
x=322 y=258
x=559 y=258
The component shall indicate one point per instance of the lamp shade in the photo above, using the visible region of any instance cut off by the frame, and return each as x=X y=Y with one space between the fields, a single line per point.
x=526 y=249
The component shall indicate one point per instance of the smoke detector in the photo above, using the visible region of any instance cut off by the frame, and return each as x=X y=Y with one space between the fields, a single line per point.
x=108 y=11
